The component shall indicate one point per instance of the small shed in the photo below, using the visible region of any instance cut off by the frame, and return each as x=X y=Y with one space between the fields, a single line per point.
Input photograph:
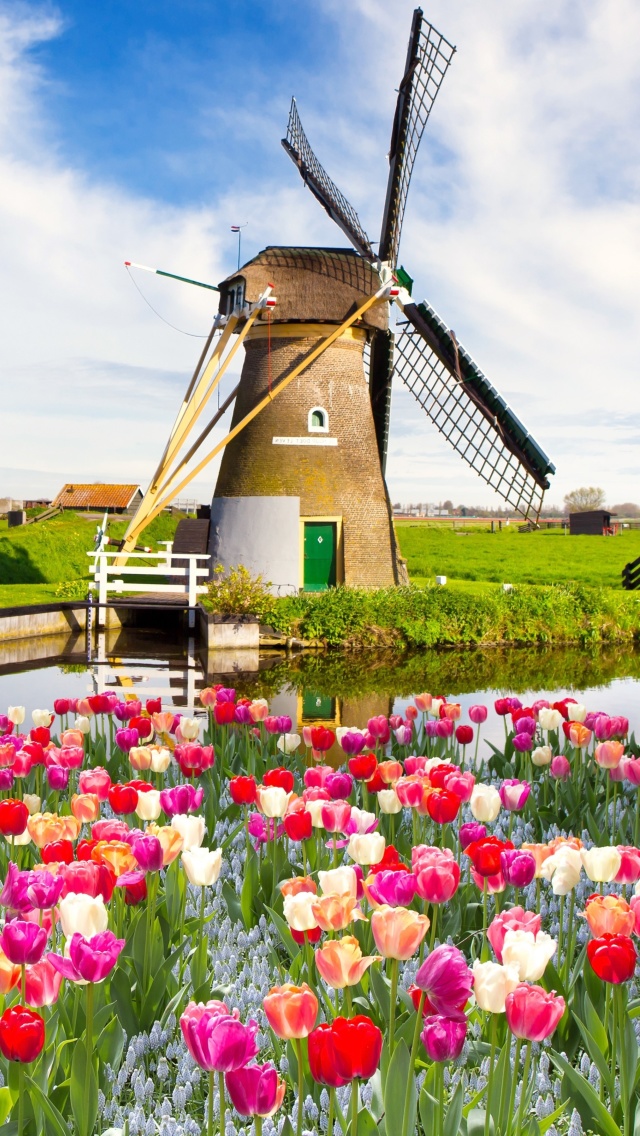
x=594 y=522
x=99 y=498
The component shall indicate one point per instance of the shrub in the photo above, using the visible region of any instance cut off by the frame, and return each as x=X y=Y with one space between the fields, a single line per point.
x=235 y=591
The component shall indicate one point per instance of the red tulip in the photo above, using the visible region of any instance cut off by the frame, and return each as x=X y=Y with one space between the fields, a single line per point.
x=280 y=778
x=464 y=735
x=13 y=817
x=485 y=854
x=298 y=825
x=144 y=726
x=21 y=1034
x=41 y=735
x=343 y=1050
x=321 y=1057
x=612 y=957
x=84 y=848
x=58 y=852
x=390 y=862
x=123 y=799
x=363 y=767
x=153 y=706
x=224 y=713
x=375 y=784
x=302 y=937
x=322 y=738
x=243 y=790
x=439 y=774
x=443 y=806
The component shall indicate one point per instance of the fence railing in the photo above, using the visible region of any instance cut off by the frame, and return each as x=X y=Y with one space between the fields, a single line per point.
x=631 y=575
x=184 y=569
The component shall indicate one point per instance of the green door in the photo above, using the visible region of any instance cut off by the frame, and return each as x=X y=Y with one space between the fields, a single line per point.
x=319 y=555
x=319 y=707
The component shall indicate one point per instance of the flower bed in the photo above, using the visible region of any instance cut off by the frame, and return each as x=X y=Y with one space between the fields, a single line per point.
x=214 y=924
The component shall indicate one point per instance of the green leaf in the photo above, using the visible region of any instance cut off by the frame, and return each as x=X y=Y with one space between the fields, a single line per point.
x=400 y=1085
x=603 y=1121
x=6 y=1103
x=366 y=1124
x=476 y=1122
x=232 y=902
x=454 y=1113
x=249 y=892
x=381 y=990
x=110 y=1044
x=121 y=993
x=282 y=927
x=56 y=1123
x=629 y=1056
x=596 y=1053
x=594 y=1025
x=83 y=1091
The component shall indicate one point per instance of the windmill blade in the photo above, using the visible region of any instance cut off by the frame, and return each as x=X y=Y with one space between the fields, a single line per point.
x=428 y=57
x=316 y=177
x=380 y=372
x=469 y=412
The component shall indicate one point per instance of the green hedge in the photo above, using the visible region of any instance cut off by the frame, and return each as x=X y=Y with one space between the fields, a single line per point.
x=437 y=617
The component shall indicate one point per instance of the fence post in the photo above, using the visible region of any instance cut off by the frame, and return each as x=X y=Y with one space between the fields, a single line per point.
x=102 y=590
x=193 y=582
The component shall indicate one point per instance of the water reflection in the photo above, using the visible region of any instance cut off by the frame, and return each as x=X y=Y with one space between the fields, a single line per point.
x=334 y=689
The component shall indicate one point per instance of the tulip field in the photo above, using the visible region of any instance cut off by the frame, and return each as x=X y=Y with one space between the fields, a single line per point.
x=213 y=924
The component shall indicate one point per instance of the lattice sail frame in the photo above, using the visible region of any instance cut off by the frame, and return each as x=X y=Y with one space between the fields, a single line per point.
x=428 y=58
x=323 y=188
x=465 y=420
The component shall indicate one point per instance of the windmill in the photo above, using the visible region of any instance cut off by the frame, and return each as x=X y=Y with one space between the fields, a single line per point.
x=301 y=495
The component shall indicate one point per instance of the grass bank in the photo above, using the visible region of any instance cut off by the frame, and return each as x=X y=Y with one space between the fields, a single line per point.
x=542 y=557
x=438 y=617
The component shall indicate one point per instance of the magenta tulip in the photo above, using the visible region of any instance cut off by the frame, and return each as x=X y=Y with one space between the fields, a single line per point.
x=470 y=832
x=14 y=892
x=217 y=1039
x=181 y=799
x=338 y=785
x=90 y=960
x=126 y=739
x=44 y=890
x=446 y=980
x=353 y=742
x=22 y=942
x=58 y=778
x=560 y=768
x=478 y=714
x=518 y=868
x=396 y=889
x=514 y=794
x=149 y=853
x=443 y=1037
x=255 y=1090
x=523 y=742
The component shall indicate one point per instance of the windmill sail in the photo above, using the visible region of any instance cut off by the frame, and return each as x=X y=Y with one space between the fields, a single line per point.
x=469 y=412
x=316 y=177
x=428 y=57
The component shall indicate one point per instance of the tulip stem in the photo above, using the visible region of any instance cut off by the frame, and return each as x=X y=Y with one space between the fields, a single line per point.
x=560 y=929
x=514 y=1080
x=392 y=1004
x=23 y=984
x=492 y=1061
x=354 y=1108
x=618 y=997
x=615 y=805
x=223 y=1123
x=523 y=1093
x=210 y=1108
x=257 y=1121
x=614 y=1037
x=332 y=1105
x=434 y=924
x=568 y=952
x=89 y=1046
x=151 y=915
x=440 y=1091
x=412 y=1061
x=20 y=1099
x=298 y=1045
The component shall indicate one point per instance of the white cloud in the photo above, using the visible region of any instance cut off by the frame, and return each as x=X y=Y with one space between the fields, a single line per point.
x=522 y=230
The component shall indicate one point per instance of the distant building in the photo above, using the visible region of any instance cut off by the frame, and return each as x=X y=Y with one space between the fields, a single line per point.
x=99 y=498
x=594 y=522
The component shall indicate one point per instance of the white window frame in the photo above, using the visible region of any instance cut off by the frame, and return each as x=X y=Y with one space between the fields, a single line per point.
x=318 y=429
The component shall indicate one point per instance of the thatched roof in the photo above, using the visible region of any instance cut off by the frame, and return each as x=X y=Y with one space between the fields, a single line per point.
x=312 y=285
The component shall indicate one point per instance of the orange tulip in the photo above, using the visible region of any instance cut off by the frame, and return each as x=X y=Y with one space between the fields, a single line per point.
x=341 y=962
x=609 y=915
x=83 y=707
x=117 y=854
x=398 y=931
x=208 y=696
x=297 y=884
x=85 y=807
x=72 y=738
x=335 y=912
x=579 y=735
x=170 y=840
x=609 y=754
x=291 y=1010
x=9 y=974
x=427 y=790
x=540 y=853
x=558 y=841
x=390 y=771
x=451 y=710
x=140 y=758
x=44 y=828
x=163 y=721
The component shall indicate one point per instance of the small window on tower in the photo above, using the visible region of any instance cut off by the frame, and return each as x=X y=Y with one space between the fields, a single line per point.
x=318 y=420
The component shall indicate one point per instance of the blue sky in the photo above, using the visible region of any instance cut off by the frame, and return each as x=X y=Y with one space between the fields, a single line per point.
x=142 y=130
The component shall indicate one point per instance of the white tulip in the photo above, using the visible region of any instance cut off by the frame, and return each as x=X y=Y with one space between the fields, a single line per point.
x=563 y=869
x=492 y=983
x=288 y=743
x=42 y=718
x=33 y=802
x=549 y=719
x=436 y=703
x=160 y=759
x=189 y=728
x=18 y=841
x=273 y=800
x=342 y=730
x=541 y=755
x=314 y=808
x=191 y=829
x=389 y=801
x=85 y=914
x=339 y=881
x=16 y=714
x=576 y=712
x=83 y=724
x=367 y=848
x=202 y=865
x=485 y=803
x=298 y=913
x=601 y=864
x=528 y=953
x=362 y=819
x=149 y=807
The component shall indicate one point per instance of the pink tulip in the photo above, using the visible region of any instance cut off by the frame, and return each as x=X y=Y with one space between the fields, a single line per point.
x=396 y=889
x=95 y=781
x=533 y=1013
x=629 y=870
x=71 y=757
x=437 y=878
x=423 y=702
x=494 y=884
x=90 y=960
x=602 y=727
x=620 y=772
x=403 y=735
x=478 y=714
x=632 y=770
x=42 y=984
x=255 y=1090
x=445 y=727
x=446 y=979
x=44 y=890
x=110 y=829
x=515 y=919
x=335 y=815
x=315 y=777
x=413 y=765
x=619 y=727
x=395 y=720
x=22 y=942
x=634 y=904
x=217 y=1039
x=409 y=792
x=514 y=794
x=560 y=768
x=462 y=784
x=379 y=729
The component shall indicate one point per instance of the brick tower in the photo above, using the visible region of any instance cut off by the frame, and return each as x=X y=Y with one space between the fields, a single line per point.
x=301 y=487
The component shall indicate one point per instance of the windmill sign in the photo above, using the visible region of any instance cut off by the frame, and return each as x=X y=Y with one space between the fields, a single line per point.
x=301 y=496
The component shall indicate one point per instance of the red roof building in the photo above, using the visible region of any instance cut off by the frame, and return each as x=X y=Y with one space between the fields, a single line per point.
x=99 y=497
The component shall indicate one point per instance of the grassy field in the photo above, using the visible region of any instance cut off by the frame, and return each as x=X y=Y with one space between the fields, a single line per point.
x=37 y=561
x=546 y=557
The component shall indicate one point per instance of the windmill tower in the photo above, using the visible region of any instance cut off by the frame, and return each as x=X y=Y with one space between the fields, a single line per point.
x=301 y=496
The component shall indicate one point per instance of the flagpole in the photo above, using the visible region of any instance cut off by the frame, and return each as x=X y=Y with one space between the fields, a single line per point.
x=238 y=229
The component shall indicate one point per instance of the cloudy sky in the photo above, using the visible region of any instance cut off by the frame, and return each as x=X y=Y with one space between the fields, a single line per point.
x=143 y=129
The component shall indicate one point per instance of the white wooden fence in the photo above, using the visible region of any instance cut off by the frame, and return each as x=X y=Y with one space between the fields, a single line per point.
x=183 y=567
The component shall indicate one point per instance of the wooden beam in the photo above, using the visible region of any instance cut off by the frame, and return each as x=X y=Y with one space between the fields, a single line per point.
x=170 y=489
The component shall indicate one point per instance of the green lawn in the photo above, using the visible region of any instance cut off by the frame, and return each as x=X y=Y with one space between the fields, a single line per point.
x=548 y=556
x=37 y=561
